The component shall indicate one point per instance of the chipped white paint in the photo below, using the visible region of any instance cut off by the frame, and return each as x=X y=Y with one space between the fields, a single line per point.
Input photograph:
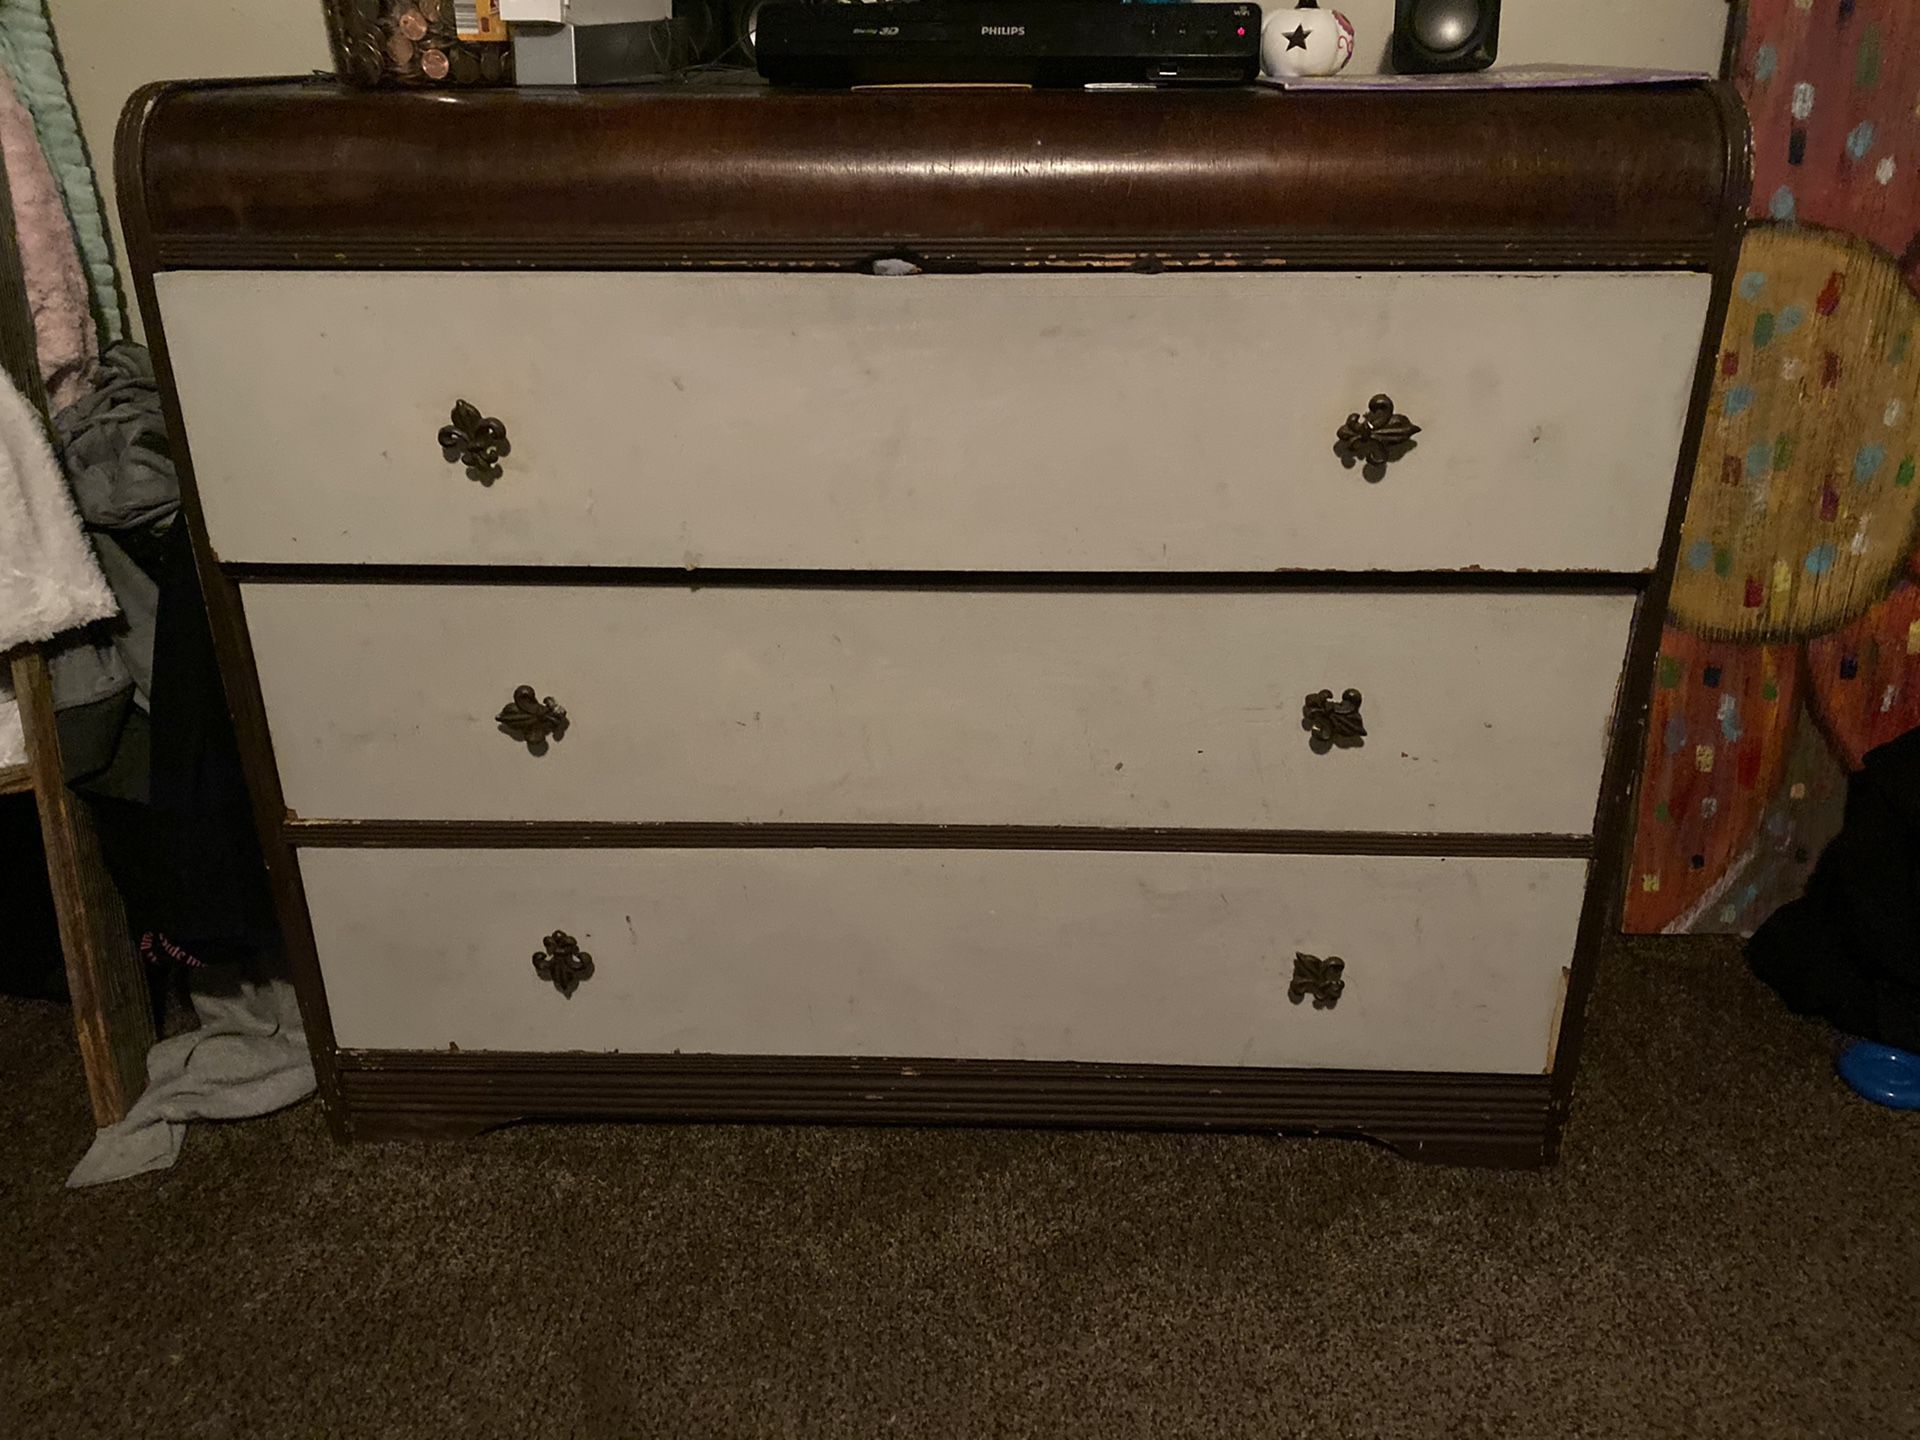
x=1145 y=958
x=1057 y=422
x=1486 y=712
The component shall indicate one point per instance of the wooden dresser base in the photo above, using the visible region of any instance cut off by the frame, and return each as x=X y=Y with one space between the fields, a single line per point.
x=1496 y=1120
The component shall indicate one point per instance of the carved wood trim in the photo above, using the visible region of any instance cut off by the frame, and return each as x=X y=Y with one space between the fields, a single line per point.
x=1474 y=1119
x=313 y=175
x=618 y=835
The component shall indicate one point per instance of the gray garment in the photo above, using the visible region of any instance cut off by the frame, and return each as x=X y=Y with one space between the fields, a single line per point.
x=84 y=665
x=92 y=731
x=249 y=1057
x=113 y=446
x=139 y=596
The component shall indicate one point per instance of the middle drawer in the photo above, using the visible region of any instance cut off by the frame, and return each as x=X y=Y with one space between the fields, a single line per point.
x=1484 y=712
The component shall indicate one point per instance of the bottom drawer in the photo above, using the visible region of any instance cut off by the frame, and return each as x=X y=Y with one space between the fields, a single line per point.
x=1116 y=957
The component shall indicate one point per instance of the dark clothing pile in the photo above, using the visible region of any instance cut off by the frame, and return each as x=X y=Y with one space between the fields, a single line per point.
x=1849 y=949
x=143 y=719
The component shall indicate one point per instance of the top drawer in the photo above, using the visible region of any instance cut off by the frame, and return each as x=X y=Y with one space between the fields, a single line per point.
x=1083 y=422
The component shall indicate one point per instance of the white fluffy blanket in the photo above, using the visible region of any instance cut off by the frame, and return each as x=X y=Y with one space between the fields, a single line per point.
x=49 y=579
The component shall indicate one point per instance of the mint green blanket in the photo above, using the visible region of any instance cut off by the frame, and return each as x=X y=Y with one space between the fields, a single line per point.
x=27 y=49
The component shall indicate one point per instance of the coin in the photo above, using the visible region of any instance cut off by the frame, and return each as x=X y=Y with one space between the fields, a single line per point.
x=368 y=11
x=413 y=25
x=399 y=49
x=430 y=9
x=466 y=69
x=434 y=62
x=493 y=61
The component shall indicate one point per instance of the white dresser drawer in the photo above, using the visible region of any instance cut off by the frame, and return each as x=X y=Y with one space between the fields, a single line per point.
x=1086 y=422
x=1144 y=958
x=1484 y=711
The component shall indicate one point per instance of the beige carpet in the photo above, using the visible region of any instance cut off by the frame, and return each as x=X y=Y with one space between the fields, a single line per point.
x=1731 y=1247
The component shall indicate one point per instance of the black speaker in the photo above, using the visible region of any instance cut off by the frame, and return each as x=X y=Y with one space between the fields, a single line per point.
x=1431 y=35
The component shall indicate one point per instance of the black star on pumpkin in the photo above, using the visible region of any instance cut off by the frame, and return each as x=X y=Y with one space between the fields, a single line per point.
x=1297 y=38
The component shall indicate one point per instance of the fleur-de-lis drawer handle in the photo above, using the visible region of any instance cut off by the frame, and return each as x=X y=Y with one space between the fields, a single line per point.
x=533 y=720
x=1379 y=435
x=476 y=441
x=1330 y=722
x=562 y=963
x=1322 y=979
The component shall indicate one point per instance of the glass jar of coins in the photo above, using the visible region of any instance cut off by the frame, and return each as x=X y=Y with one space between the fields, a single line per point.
x=420 y=42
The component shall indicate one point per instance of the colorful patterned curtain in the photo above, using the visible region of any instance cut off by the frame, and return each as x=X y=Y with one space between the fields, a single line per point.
x=1794 y=642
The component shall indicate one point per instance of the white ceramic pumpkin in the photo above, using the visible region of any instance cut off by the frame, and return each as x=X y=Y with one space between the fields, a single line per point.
x=1307 y=41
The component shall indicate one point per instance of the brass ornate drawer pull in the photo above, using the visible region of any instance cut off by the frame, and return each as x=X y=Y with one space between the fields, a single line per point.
x=1319 y=978
x=532 y=720
x=1379 y=435
x=1330 y=722
x=476 y=441
x=562 y=963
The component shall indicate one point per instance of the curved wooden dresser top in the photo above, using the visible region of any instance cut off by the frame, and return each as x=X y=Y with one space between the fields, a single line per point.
x=308 y=174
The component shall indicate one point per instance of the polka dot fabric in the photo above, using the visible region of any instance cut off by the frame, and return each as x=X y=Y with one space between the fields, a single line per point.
x=1717 y=756
x=1834 y=91
x=1805 y=496
x=1865 y=678
x=1800 y=540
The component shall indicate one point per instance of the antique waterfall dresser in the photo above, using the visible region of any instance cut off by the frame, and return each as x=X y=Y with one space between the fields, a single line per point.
x=940 y=606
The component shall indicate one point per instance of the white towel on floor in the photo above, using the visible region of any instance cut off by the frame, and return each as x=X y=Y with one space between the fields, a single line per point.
x=249 y=1057
x=49 y=578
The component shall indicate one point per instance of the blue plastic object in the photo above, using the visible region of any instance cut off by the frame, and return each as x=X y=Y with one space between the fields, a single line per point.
x=1883 y=1074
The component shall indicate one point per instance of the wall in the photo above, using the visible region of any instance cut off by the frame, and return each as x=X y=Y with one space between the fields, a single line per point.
x=1656 y=34
x=111 y=47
